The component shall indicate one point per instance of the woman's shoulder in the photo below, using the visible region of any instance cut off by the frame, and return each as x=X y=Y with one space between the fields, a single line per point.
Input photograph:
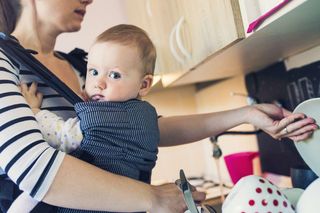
x=5 y=59
x=7 y=65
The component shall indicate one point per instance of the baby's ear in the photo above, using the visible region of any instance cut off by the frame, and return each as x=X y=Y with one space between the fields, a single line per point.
x=146 y=84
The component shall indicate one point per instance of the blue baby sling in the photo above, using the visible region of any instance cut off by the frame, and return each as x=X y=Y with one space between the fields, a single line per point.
x=120 y=137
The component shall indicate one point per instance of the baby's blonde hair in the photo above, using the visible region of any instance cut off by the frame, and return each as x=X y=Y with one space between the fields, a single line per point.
x=132 y=35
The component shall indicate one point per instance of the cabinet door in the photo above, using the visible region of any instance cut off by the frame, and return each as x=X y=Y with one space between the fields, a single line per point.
x=187 y=32
x=212 y=26
x=166 y=15
x=158 y=18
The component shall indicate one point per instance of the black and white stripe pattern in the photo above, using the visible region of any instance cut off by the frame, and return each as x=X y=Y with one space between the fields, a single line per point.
x=26 y=158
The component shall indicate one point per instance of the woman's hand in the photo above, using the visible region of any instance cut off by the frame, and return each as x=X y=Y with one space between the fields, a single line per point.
x=279 y=122
x=169 y=199
x=32 y=96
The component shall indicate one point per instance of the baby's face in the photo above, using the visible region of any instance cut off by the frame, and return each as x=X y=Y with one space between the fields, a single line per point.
x=114 y=72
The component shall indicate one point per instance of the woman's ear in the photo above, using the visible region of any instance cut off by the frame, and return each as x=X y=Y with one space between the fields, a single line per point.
x=146 y=84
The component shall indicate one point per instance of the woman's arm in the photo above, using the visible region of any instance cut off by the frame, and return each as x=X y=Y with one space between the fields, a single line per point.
x=61 y=180
x=111 y=192
x=268 y=117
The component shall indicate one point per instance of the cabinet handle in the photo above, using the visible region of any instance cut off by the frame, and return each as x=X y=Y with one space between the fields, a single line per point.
x=180 y=45
x=148 y=8
x=171 y=45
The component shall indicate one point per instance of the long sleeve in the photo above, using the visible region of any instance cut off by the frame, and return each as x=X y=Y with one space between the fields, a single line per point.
x=24 y=155
x=63 y=135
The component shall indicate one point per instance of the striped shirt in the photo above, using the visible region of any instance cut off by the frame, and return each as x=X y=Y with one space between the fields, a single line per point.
x=24 y=155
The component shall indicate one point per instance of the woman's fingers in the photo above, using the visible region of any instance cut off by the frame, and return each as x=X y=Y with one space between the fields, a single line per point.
x=290 y=119
x=169 y=199
x=198 y=196
x=301 y=131
x=298 y=127
x=301 y=137
x=286 y=112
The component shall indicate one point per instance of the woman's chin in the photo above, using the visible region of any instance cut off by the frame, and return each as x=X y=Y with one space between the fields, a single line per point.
x=73 y=28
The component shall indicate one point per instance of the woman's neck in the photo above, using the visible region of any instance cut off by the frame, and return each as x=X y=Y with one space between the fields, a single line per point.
x=40 y=39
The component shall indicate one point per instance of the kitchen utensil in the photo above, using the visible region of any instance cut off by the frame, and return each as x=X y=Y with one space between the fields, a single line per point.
x=255 y=24
x=187 y=193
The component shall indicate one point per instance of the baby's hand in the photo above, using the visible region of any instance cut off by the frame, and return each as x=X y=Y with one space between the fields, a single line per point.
x=32 y=96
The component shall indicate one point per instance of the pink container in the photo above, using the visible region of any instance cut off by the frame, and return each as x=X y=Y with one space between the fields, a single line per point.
x=240 y=164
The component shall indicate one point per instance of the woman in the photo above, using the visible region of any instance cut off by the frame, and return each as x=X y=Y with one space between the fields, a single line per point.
x=53 y=177
x=62 y=180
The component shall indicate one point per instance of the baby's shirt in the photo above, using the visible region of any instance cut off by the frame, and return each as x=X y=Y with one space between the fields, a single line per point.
x=62 y=135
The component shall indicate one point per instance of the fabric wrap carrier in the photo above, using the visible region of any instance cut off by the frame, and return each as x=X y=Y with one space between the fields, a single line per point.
x=120 y=137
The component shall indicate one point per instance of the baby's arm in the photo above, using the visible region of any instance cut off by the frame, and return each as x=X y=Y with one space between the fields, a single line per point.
x=63 y=135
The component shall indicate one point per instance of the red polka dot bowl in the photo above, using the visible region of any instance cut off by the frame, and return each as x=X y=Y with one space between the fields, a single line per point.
x=256 y=194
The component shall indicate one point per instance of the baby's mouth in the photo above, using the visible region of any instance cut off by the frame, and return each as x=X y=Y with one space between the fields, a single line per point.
x=97 y=97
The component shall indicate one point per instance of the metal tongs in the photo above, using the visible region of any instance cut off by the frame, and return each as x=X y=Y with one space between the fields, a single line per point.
x=187 y=193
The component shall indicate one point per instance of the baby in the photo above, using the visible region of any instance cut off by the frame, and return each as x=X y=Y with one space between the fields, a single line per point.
x=114 y=130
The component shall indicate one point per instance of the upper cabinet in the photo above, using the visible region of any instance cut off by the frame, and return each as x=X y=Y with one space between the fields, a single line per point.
x=186 y=32
x=206 y=40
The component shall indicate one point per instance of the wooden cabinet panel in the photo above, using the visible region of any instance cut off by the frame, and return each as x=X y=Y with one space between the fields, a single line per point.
x=186 y=32
x=213 y=25
x=158 y=18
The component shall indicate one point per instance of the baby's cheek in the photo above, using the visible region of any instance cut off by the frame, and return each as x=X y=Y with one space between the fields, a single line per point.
x=84 y=96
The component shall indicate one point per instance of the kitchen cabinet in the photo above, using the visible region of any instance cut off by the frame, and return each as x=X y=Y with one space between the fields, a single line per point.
x=213 y=37
x=157 y=18
x=293 y=29
x=213 y=25
x=186 y=32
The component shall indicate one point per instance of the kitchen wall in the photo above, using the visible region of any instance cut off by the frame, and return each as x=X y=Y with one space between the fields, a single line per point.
x=217 y=97
x=170 y=102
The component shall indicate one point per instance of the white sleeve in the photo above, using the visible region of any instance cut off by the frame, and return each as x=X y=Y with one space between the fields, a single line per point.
x=23 y=203
x=24 y=155
x=63 y=135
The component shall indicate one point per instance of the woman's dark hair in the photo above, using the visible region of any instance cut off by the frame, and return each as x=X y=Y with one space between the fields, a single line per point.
x=9 y=13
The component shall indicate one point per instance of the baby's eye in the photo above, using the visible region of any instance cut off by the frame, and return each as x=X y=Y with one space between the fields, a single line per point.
x=93 y=72
x=114 y=75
